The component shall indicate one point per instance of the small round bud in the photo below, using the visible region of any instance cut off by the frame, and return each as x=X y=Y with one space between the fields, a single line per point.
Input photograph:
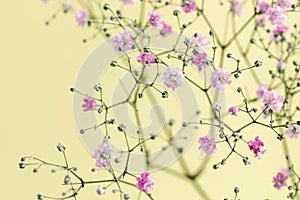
x=215 y=166
x=61 y=147
x=121 y=128
x=229 y=55
x=176 y=12
x=82 y=131
x=22 y=165
x=239 y=90
x=67 y=180
x=101 y=190
x=236 y=190
x=164 y=94
x=106 y=6
x=40 y=197
x=72 y=89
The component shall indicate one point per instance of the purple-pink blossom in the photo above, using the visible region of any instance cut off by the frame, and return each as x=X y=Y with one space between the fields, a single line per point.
x=280 y=180
x=201 y=42
x=199 y=60
x=219 y=78
x=103 y=154
x=236 y=7
x=277 y=15
x=293 y=130
x=173 y=77
x=285 y=4
x=82 y=17
x=165 y=29
x=281 y=65
x=188 y=5
x=233 y=110
x=127 y=1
x=123 y=41
x=262 y=7
x=277 y=34
x=207 y=145
x=272 y=101
x=146 y=58
x=145 y=182
x=155 y=18
x=261 y=20
x=262 y=89
x=89 y=104
x=257 y=147
x=45 y=1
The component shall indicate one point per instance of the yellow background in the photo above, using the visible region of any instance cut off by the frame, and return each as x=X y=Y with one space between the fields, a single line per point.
x=38 y=66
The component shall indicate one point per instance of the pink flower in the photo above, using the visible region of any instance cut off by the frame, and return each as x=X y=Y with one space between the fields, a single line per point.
x=293 y=130
x=199 y=60
x=281 y=65
x=277 y=15
x=273 y=101
x=207 y=145
x=123 y=41
x=89 y=104
x=262 y=7
x=173 y=77
x=261 y=20
x=285 y=4
x=67 y=6
x=145 y=182
x=127 y=1
x=257 y=147
x=188 y=5
x=165 y=29
x=201 y=42
x=45 y=1
x=262 y=89
x=236 y=8
x=103 y=154
x=219 y=78
x=154 y=18
x=233 y=110
x=280 y=180
x=146 y=58
x=82 y=17
x=278 y=33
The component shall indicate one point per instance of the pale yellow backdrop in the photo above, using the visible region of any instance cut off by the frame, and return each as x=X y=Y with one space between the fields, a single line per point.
x=38 y=66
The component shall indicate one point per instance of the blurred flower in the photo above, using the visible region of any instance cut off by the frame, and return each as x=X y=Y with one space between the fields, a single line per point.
x=293 y=130
x=127 y=1
x=45 y=1
x=165 y=29
x=262 y=89
x=261 y=20
x=236 y=8
x=280 y=180
x=233 y=110
x=103 y=154
x=188 y=5
x=146 y=58
x=277 y=15
x=145 y=182
x=173 y=77
x=199 y=60
x=277 y=34
x=257 y=147
x=154 y=18
x=285 y=4
x=281 y=65
x=219 y=78
x=201 y=42
x=123 y=41
x=82 y=17
x=262 y=7
x=89 y=104
x=207 y=145
x=273 y=101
